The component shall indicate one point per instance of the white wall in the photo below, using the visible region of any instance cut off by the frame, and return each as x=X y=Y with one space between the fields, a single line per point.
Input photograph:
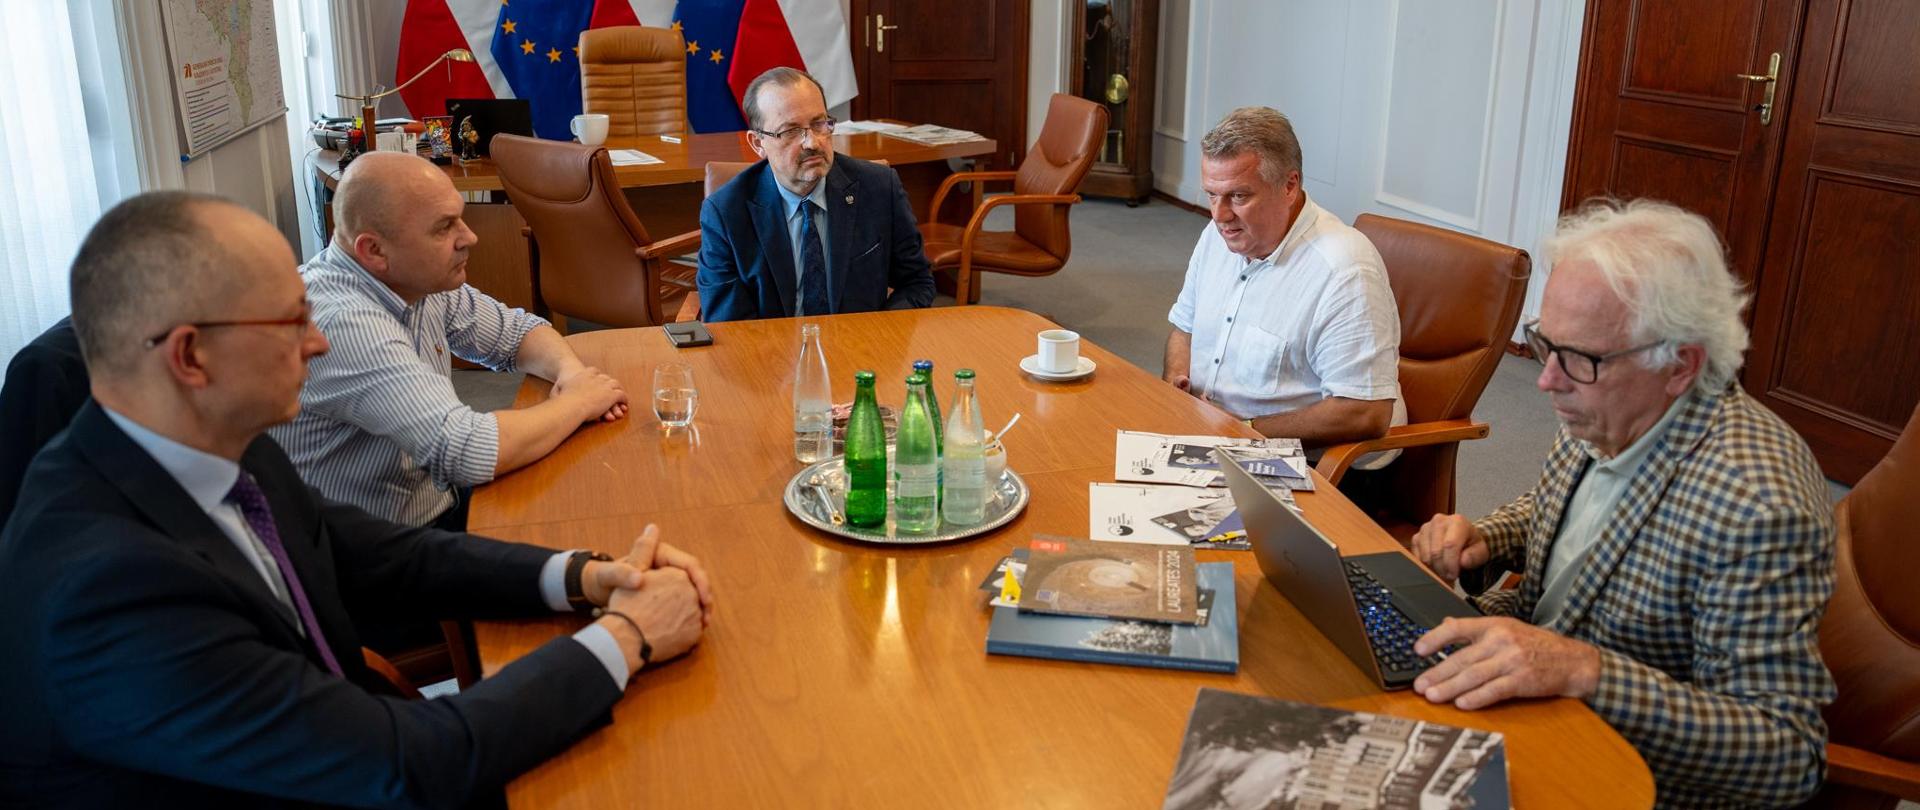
x=1452 y=113
x=254 y=169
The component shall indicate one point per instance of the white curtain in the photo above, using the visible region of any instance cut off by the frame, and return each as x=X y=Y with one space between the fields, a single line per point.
x=47 y=194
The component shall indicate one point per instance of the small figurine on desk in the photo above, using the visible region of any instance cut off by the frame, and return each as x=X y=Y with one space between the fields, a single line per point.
x=439 y=139
x=469 y=139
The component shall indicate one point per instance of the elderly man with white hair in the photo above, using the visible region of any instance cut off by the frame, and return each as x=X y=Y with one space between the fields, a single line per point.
x=1678 y=549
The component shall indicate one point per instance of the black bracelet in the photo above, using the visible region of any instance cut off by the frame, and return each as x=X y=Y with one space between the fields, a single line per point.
x=646 y=649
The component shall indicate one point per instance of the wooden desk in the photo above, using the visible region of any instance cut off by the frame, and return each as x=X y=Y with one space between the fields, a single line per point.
x=838 y=674
x=666 y=195
x=686 y=161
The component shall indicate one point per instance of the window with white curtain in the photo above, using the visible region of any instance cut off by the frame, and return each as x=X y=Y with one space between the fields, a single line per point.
x=48 y=194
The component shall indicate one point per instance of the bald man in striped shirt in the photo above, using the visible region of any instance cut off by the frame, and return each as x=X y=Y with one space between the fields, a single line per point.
x=380 y=426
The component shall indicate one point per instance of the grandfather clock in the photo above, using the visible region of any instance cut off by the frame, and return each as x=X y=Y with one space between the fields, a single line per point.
x=1114 y=45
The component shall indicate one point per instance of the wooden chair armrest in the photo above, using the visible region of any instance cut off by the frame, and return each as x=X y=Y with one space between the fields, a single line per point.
x=940 y=194
x=1335 y=460
x=980 y=214
x=386 y=670
x=671 y=246
x=1860 y=768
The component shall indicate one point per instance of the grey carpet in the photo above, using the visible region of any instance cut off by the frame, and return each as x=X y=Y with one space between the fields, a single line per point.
x=1126 y=270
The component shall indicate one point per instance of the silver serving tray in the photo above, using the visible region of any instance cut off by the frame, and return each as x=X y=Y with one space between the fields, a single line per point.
x=1004 y=503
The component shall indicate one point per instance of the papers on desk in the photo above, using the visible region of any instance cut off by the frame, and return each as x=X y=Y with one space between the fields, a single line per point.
x=1201 y=517
x=933 y=135
x=632 y=157
x=857 y=127
x=1154 y=458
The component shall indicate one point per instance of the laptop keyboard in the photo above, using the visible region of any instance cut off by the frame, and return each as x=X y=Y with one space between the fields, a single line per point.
x=1389 y=631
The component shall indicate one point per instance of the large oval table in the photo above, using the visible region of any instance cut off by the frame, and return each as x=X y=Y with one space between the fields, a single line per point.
x=839 y=674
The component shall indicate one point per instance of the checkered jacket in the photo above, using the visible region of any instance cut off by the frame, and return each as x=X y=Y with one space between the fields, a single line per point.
x=1704 y=596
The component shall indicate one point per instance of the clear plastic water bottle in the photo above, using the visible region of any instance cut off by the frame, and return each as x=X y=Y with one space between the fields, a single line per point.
x=866 y=458
x=916 y=463
x=812 y=400
x=963 y=500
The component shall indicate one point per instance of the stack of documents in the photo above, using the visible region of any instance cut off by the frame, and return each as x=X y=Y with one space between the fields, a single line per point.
x=857 y=127
x=1172 y=491
x=632 y=157
x=934 y=135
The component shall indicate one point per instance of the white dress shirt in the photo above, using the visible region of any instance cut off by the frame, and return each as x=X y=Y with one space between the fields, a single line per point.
x=1312 y=320
x=208 y=478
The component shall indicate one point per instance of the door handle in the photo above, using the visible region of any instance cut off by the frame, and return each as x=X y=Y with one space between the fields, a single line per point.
x=1772 y=78
x=881 y=26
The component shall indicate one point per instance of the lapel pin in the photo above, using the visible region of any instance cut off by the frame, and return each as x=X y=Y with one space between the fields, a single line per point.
x=849 y=199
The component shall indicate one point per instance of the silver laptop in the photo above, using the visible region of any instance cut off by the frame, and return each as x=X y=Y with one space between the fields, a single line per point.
x=1372 y=606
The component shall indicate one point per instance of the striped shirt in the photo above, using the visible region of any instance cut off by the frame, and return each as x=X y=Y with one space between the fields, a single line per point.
x=380 y=426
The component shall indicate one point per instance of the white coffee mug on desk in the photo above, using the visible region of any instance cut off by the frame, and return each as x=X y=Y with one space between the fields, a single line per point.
x=591 y=128
x=1059 y=351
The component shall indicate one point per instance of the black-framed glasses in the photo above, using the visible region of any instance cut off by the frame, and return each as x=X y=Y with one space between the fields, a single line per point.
x=1581 y=367
x=304 y=320
x=823 y=128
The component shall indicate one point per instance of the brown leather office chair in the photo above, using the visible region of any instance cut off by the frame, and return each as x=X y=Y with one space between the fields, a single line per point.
x=1459 y=298
x=1870 y=637
x=637 y=77
x=1043 y=189
x=591 y=257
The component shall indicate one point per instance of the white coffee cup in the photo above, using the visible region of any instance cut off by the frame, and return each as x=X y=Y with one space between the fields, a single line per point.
x=590 y=128
x=1059 y=351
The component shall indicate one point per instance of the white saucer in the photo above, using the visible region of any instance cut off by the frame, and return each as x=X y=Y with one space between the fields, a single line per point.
x=1031 y=365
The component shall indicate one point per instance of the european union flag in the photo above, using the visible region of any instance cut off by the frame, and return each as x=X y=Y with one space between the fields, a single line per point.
x=533 y=44
x=710 y=27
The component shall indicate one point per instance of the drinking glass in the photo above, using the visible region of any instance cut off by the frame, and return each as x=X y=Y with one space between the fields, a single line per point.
x=674 y=396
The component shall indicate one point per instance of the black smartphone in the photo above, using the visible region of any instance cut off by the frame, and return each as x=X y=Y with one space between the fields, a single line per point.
x=689 y=333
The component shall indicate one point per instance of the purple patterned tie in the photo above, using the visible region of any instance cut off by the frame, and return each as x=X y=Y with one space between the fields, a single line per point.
x=247 y=495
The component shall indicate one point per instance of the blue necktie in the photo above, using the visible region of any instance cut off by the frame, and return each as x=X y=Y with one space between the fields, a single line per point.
x=813 y=266
x=252 y=501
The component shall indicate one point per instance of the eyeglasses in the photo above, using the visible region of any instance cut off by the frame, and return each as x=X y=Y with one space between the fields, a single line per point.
x=304 y=320
x=822 y=128
x=1581 y=367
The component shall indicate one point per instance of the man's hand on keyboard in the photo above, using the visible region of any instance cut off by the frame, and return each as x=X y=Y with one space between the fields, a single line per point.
x=1449 y=544
x=1504 y=658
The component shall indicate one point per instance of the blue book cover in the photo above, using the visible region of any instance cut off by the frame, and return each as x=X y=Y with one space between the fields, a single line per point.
x=1213 y=647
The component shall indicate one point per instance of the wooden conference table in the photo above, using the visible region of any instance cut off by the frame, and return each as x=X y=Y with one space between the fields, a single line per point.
x=838 y=674
x=665 y=195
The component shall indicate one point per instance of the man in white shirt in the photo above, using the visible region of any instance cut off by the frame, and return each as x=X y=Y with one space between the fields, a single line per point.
x=1285 y=320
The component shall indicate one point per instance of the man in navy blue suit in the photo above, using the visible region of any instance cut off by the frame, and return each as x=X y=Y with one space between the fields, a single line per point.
x=181 y=610
x=803 y=232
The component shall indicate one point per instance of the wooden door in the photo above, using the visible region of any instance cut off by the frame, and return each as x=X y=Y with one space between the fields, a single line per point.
x=1661 y=110
x=1836 y=322
x=961 y=65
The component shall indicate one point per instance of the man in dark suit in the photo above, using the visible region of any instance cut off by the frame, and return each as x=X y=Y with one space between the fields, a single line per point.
x=181 y=610
x=803 y=232
x=46 y=383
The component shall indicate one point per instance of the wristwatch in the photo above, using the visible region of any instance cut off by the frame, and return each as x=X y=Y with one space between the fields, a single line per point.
x=576 y=595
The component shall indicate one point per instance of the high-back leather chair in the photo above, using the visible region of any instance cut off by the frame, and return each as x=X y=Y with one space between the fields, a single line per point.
x=1459 y=298
x=592 y=259
x=637 y=77
x=1870 y=637
x=1043 y=190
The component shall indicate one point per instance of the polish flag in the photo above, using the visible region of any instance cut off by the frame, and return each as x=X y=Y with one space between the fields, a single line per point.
x=807 y=34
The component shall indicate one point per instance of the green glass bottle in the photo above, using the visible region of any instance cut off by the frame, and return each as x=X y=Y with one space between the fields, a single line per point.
x=866 y=458
x=916 y=465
